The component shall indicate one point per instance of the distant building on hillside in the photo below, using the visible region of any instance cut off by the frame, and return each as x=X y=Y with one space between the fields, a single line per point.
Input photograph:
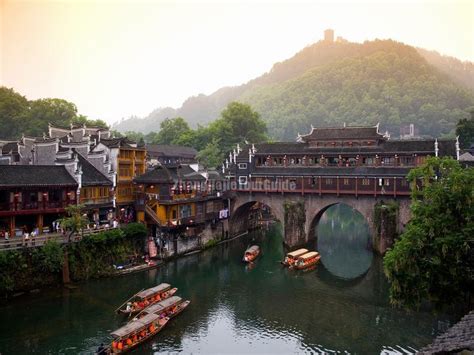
x=170 y=154
x=329 y=35
x=340 y=39
x=409 y=132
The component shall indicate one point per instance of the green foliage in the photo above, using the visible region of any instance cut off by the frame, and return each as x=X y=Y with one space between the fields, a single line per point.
x=96 y=254
x=209 y=244
x=11 y=263
x=48 y=258
x=327 y=84
x=212 y=155
x=433 y=260
x=386 y=83
x=135 y=230
x=76 y=220
x=43 y=111
x=19 y=116
x=93 y=256
x=171 y=130
x=465 y=130
x=83 y=120
x=135 y=136
x=13 y=111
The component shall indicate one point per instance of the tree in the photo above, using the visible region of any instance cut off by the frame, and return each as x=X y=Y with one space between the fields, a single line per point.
x=212 y=155
x=238 y=123
x=43 y=111
x=75 y=221
x=171 y=130
x=465 y=130
x=135 y=136
x=13 y=113
x=84 y=120
x=433 y=260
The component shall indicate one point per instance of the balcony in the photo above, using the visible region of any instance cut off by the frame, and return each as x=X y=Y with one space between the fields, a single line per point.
x=10 y=208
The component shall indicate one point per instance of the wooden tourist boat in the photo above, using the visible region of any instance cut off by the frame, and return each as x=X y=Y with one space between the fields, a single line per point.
x=307 y=260
x=162 y=308
x=252 y=253
x=169 y=308
x=146 y=298
x=135 y=332
x=291 y=257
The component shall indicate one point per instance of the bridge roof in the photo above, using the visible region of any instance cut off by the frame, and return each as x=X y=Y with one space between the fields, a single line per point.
x=342 y=133
x=446 y=148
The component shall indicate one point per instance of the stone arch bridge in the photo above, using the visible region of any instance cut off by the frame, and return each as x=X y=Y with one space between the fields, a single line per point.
x=300 y=215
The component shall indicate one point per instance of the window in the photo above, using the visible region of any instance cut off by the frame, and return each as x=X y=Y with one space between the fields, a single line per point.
x=384 y=182
x=328 y=181
x=346 y=181
x=242 y=165
x=242 y=180
x=406 y=160
x=365 y=182
x=404 y=182
x=368 y=161
x=185 y=211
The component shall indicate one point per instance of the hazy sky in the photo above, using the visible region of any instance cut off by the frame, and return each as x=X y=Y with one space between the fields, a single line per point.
x=118 y=58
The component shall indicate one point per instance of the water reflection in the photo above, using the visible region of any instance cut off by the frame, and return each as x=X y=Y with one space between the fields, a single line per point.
x=343 y=239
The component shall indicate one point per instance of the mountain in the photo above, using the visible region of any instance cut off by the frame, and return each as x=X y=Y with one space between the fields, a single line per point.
x=331 y=83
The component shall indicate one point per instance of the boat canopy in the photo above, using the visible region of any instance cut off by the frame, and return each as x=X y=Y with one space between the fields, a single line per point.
x=134 y=326
x=309 y=255
x=296 y=253
x=152 y=291
x=163 y=305
x=253 y=249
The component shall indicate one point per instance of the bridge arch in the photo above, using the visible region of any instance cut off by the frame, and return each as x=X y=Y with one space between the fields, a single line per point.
x=314 y=221
x=315 y=208
x=241 y=207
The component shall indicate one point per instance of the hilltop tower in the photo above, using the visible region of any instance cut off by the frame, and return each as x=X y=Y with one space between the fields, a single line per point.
x=329 y=35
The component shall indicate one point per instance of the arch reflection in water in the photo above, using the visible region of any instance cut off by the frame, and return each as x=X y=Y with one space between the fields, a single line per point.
x=344 y=242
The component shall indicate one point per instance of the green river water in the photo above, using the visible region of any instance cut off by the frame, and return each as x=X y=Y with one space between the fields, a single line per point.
x=340 y=307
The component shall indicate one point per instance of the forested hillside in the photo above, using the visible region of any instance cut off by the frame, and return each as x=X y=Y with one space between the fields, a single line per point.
x=331 y=83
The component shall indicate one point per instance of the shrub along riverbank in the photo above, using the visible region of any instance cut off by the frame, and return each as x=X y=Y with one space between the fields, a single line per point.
x=93 y=256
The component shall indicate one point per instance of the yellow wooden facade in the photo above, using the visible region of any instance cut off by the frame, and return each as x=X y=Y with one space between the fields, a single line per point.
x=131 y=163
x=95 y=195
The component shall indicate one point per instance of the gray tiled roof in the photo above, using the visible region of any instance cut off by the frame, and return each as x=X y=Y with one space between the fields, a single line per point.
x=338 y=133
x=457 y=338
x=170 y=174
x=10 y=147
x=171 y=150
x=446 y=148
x=90 y=175
x=35 y=175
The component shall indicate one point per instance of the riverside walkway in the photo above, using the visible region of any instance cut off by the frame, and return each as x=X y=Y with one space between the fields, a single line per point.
x=16 y=243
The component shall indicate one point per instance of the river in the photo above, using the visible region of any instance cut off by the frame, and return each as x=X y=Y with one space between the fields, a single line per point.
x=341 y=306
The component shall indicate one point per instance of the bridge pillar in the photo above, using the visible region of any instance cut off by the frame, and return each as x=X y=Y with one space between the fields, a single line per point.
x=294 y=223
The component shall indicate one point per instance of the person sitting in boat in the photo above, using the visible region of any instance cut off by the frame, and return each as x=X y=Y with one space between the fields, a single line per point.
x=101 y=350
x=129 y=307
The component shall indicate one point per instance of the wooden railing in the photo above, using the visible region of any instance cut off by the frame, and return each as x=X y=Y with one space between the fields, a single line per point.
x=16 y=243
x=34 y=206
